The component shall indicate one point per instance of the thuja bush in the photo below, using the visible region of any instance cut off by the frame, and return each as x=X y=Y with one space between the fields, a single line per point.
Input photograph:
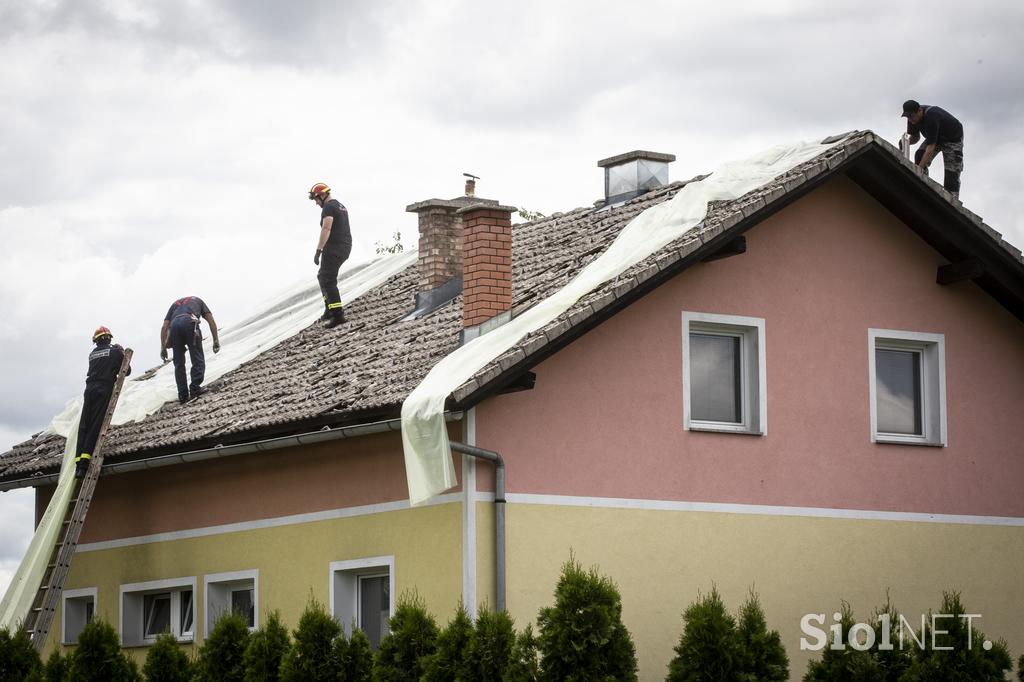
x=582 y=636
x=524 y=662
x=448 y=662
x=404 y=652
x=18 y=658
x=222 y=656
x=166 y=662
x=846 y=663
x=716 y=646
x=98 y=656
x=265 y=651
x=56 y=667
x=490 y=647
x=709 y=647
x=312 y=656
x=1020 y=668
x=355 y=657
x=762 y=656
x=956 y=651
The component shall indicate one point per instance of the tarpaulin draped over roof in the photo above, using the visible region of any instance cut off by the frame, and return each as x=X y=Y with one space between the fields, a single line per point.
x=428 y=461
x=290 y=313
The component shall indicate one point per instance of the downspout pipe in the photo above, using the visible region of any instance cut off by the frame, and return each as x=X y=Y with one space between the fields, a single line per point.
x=499 y=515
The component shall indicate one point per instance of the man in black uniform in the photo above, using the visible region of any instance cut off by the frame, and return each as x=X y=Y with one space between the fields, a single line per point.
x=104 y=363
x=332 y=250
x=181 y=331
x=942 y=133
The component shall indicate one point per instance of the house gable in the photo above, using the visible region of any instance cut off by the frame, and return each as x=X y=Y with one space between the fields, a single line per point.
x=605 y=418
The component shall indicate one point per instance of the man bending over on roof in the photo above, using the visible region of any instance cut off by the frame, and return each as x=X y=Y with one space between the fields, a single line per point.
x=104 y=364
x=942 y=133
x=181 y=331
x=332 y=249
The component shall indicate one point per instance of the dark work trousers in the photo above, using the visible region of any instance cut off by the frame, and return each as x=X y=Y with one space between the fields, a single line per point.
x=330 y=263
x=96 y=399
x=952 y=163
x=185 y=334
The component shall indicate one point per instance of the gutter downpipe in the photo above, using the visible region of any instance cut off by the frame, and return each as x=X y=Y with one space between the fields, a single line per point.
x=499 y=515
x=325 y=434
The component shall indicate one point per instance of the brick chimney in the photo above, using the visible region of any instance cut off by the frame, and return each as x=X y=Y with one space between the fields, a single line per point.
x=486 y=266
x=439 y=263
x=440 y=246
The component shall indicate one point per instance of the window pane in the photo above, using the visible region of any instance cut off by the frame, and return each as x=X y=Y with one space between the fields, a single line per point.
x=186 y=612
x=242 y=604
x=374 y=607
x=156 y=614
x=89 y=610
x=898 y=388
x=715 y=392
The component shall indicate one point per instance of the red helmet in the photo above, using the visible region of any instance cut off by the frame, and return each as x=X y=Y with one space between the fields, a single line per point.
x=100 y=331
x=319 y=191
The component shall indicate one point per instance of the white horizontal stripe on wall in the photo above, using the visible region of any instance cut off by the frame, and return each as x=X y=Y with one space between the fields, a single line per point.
x=259 y=524
x=758 y=509
x=565 y=501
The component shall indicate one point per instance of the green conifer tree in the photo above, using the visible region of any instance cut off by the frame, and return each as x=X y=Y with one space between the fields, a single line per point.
x=166 y=662
x=358 y=661
x=524 y=663
x=311 y=657
x=582 y=636
x=18 y=657
x=266 y=649
x=404 y=652
x=222 y=656
x=762 y=655
x=490 y=647
x=448 y=662
x=98 y=656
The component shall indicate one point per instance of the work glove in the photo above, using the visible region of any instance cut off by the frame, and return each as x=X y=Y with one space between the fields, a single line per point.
x=216 y=346
x=163 y=354
x=316 y=258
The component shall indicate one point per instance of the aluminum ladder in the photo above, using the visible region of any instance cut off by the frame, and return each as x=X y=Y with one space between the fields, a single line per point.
x=44 y=606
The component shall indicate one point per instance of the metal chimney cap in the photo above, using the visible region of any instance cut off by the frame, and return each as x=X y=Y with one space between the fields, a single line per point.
x=633 y=156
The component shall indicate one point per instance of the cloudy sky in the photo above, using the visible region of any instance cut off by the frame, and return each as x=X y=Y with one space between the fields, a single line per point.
x=150 y=150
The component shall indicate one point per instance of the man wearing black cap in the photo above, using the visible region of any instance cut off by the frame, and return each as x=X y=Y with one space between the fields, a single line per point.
x=942 y=133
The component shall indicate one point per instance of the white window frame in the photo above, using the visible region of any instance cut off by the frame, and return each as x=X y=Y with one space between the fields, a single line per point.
x=753 y=371
x=932 y=348
x=218 y=598
x=343 y=587
x=131 y=611
x=78 y=598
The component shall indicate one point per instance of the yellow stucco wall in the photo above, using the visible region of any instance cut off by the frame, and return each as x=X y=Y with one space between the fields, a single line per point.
x=292 y=560
x=662 y=559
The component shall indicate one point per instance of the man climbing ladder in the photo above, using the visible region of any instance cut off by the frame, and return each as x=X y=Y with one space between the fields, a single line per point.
x=104 y=364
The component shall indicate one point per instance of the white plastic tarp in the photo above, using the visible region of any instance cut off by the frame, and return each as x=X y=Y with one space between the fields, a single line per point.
x=290 y=313
x=428 y=462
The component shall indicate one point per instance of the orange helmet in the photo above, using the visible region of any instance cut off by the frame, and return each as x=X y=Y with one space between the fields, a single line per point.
x=319 y=191
x=100 y=331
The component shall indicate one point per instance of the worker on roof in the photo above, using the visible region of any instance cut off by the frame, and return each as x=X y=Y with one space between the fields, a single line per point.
x=332 y=249
x=942 y=132
x=181 y=331
x=104 y=364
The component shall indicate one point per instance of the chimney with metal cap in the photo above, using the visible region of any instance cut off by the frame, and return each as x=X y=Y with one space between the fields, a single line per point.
x=634 y=173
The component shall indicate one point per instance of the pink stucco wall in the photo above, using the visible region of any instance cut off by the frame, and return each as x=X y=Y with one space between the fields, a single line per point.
x=606 y=416
x=333 y=475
